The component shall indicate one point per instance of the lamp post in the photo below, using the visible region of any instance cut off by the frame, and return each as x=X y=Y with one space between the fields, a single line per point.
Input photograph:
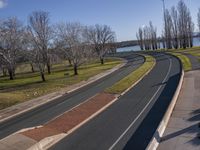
x=163 y=5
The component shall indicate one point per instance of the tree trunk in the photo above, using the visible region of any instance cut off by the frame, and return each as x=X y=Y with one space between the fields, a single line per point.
x=191 y=42
x=48 y=68
x=11 y=74
x=42 y=76
x=75 y=70
x=70 y=62
x=32 y=68
x=102 y=60
x=4 y=72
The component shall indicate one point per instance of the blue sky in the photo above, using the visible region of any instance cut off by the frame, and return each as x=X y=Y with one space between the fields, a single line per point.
x=124 y=16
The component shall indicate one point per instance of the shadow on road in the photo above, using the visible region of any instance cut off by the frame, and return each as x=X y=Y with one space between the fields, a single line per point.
x=141 y=138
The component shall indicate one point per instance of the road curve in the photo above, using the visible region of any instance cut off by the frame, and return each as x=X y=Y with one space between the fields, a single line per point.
x=44 y=113
x=132 y=120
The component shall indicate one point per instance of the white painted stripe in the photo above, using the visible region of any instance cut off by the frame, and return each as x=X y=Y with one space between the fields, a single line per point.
x=121 y=136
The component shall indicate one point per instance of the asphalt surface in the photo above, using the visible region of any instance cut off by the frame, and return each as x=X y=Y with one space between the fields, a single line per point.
x=52 y=109
x=194 y=61
x=131 y=121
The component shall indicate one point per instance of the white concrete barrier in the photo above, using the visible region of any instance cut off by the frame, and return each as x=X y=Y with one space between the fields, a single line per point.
x=163 y=124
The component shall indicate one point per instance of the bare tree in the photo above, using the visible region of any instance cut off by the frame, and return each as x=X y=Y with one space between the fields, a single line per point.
x=179 y=27
x=190 y=30
x=40 y=30
x=174 y=15
x=163 y=41
x=198 y=19
x=39 y=25
x=140 y=38
x=11 y=40
x=168 y=29
x=71 y=40
x=153 y=32
x=99 y=36
x=3 y=68
x=182 y=9
x=35 y=56
x=147 y=37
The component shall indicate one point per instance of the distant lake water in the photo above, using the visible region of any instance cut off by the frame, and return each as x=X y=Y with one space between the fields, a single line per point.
x=196 y=42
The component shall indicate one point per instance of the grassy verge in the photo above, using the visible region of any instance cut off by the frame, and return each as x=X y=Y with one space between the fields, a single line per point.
x=195 y=51
x=28 y=86
x=184 y=59
x=129 y=80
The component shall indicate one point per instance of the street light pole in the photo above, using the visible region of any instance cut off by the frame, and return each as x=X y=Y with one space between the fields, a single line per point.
x=163 y=5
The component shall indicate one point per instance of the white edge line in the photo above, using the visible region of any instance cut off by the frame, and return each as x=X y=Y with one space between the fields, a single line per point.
x=107 y=72
x=56 y=140
x=121 y=136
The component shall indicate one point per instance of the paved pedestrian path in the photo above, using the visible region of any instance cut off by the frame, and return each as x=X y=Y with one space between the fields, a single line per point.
x=194 y=61
x=183 y=130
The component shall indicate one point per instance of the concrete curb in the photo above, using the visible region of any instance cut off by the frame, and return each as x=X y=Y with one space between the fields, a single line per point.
x=163 y=124
x=48 y=142
x=55 y=139
x=89 y=81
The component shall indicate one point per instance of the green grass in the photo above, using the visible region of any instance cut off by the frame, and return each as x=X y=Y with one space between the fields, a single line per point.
x=184 y=59
x=195 y=51
x=129 y=80
x=27 y=86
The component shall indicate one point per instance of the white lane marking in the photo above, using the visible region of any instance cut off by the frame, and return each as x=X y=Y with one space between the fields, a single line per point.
x=121 y=136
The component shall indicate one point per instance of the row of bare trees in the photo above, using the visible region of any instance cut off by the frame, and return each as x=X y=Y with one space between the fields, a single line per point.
x=198 y=20
x=147 y=37
x=40 y=42
x=178 y=30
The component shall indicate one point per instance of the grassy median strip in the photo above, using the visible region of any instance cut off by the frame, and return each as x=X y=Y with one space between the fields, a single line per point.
x=184 y=59
x=27 y=86
x=133 y=77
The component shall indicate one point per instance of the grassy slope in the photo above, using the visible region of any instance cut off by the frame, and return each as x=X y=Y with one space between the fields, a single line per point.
x=28 y=85
x=195 y=51
x=129 y=80
x=184 y=59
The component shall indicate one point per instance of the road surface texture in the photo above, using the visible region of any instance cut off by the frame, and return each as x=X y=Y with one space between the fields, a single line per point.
x=183 y=127
x=52 y=109
x=194 y=61
x=132 y=120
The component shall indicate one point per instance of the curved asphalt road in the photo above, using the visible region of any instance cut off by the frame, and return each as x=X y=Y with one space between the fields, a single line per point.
x=132 y=120
x=52 y=109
